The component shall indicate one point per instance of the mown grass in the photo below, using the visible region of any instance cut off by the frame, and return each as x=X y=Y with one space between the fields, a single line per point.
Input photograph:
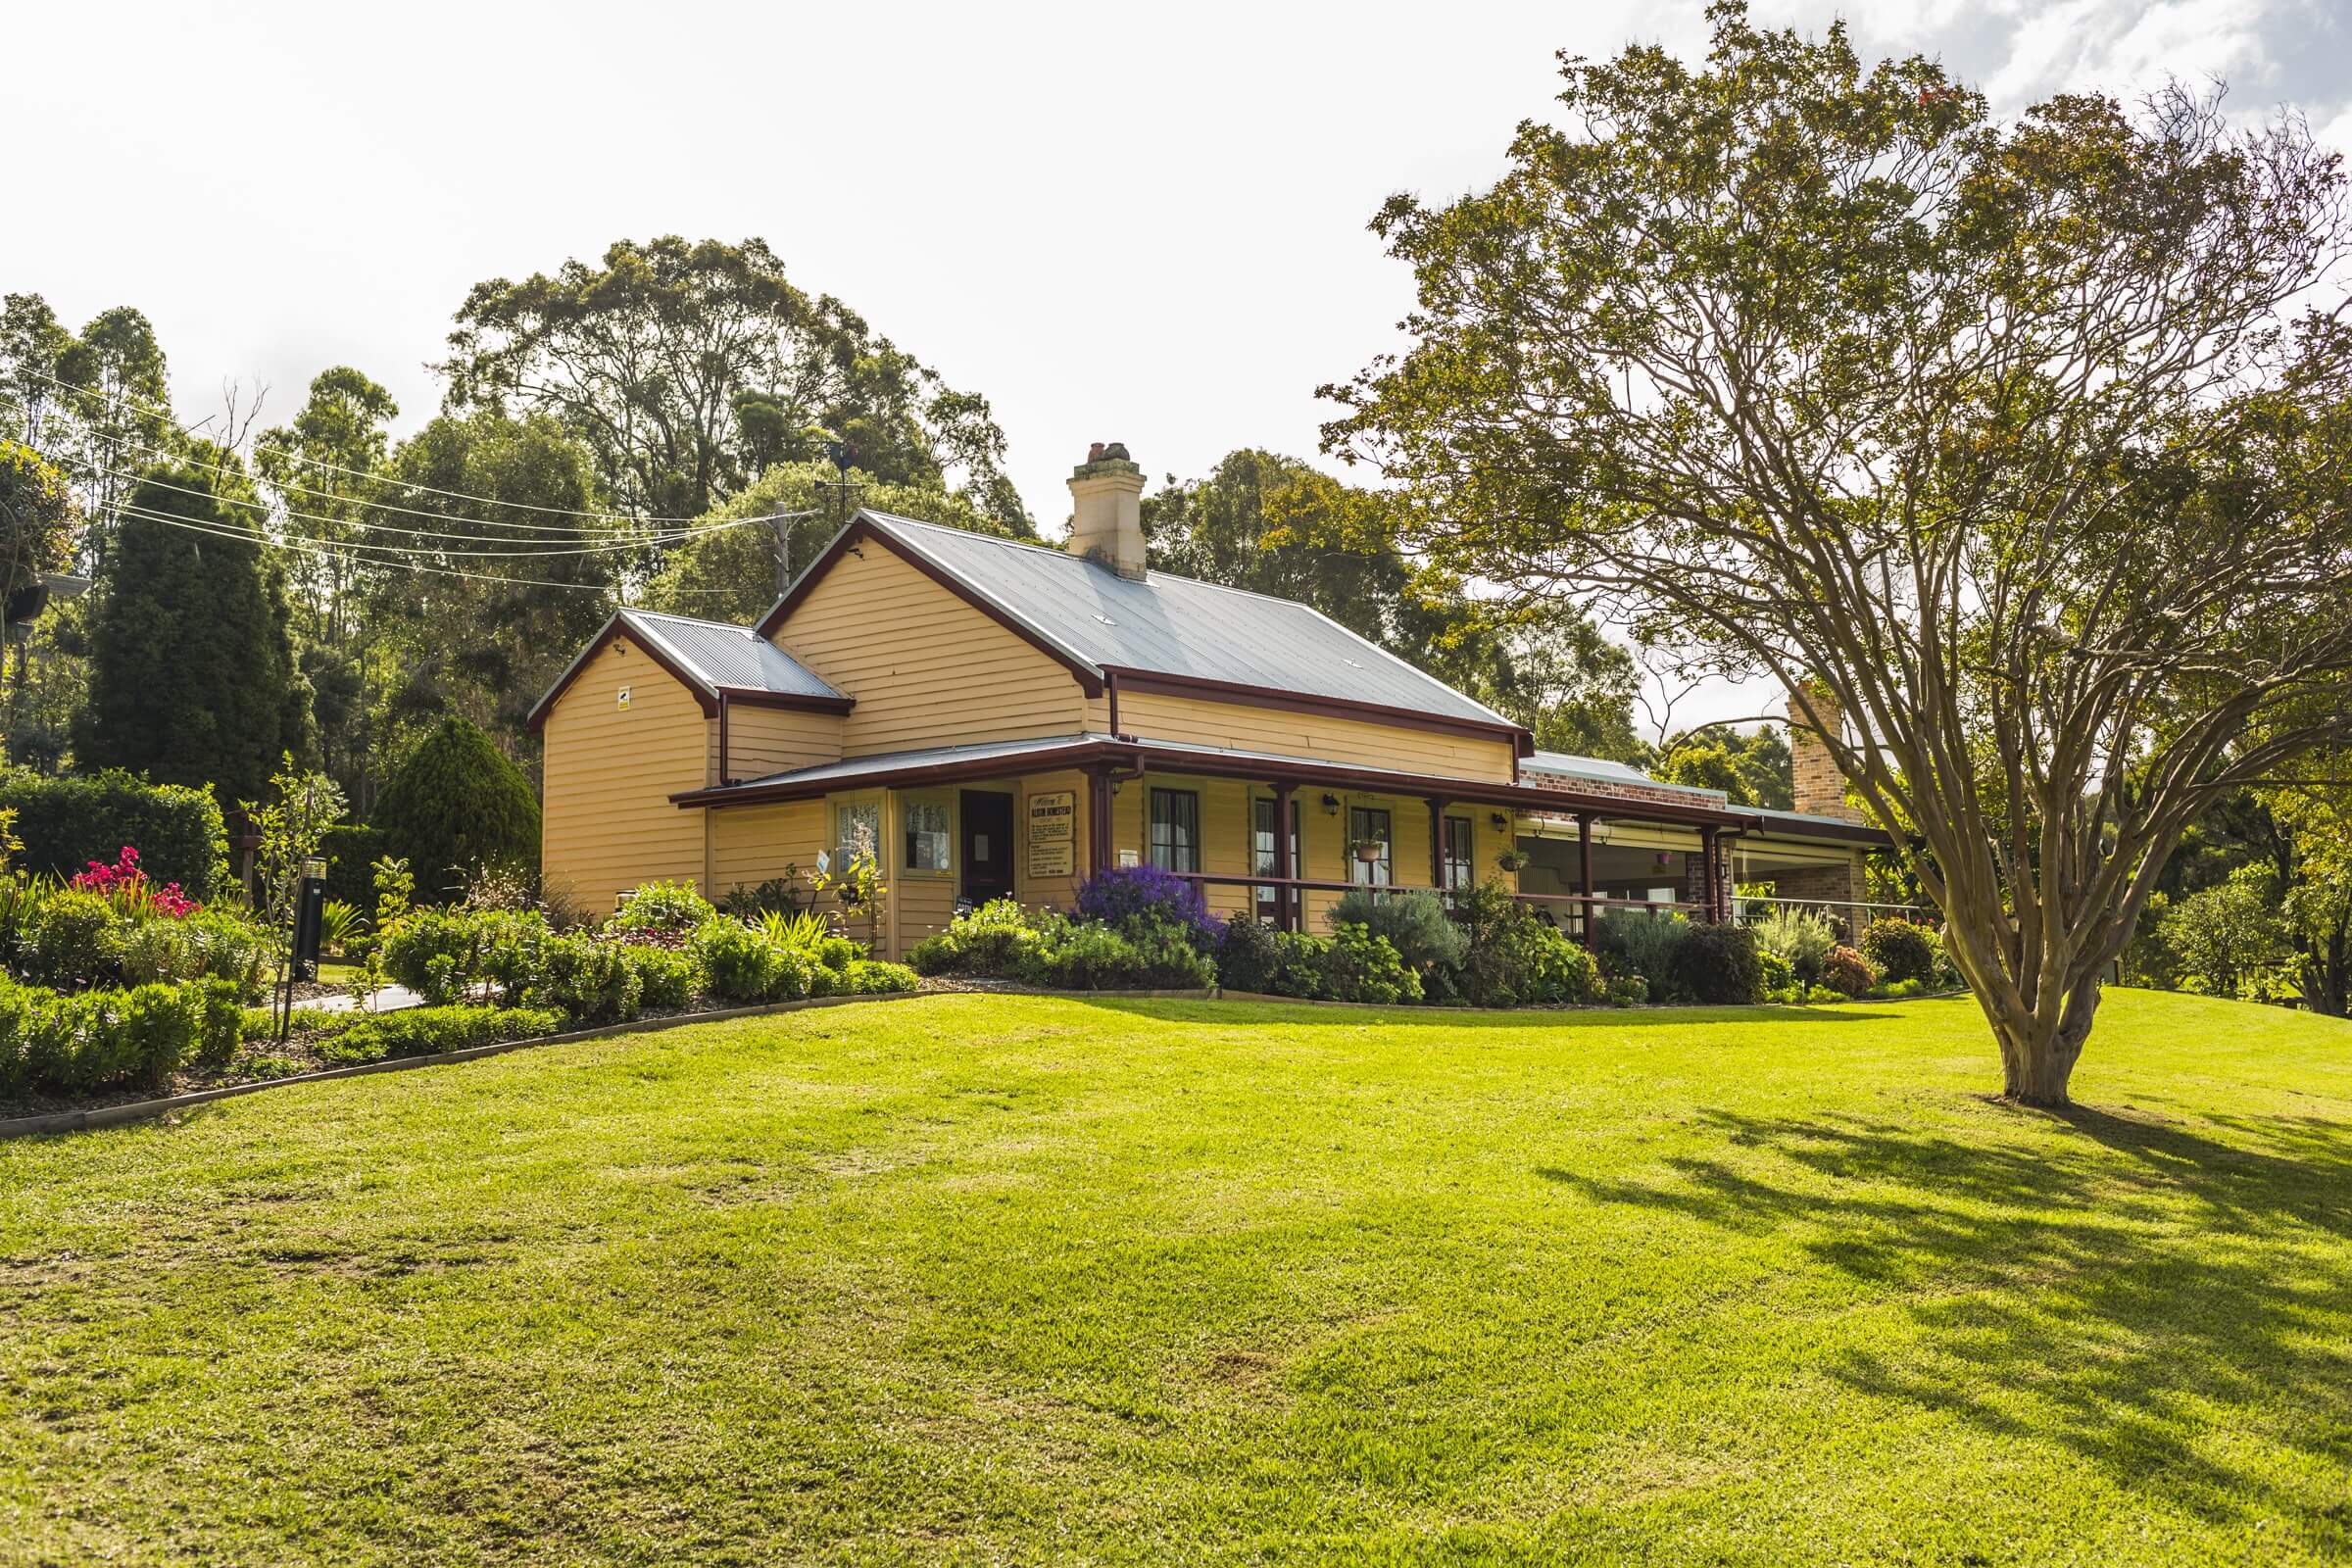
x=995 y=1279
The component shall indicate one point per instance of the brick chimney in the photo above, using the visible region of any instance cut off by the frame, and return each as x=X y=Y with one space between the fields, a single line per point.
x=1813 y=711
x=1106 y=516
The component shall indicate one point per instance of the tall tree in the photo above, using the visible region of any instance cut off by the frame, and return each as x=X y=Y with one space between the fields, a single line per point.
x=33 y=349
x=121 y=403
x=479 y=622
x=688 y=369
x=1752 y=768
x=2011 y=436
x=732 y=574
x=192 y=677
x=325 y=467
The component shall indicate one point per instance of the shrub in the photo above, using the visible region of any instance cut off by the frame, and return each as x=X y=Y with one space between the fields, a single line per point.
x=587 y=979
x=993 y=940
x=1944 y=974
x=233 y=947
x=352 y=850
x=663 y=907
x=1717 y=964
x=870 y=977
x=1638 y=942
x=1302 y=967
x=454 y=805
x=1847 y=972
x=1626 y=991
x=1360 y=966
x=68 y=821
x=1774 y=973
x=1540 y=965
x=1248 y=955
x=508 y=950
x=1801 y=936
x=2223 y=939
x=666 y=979
x=69 y=942
x=741 y=965
x=93 y=1040
x=1414 y=923
x=146 y=952
x=219 y=1028
x=1899 y=949
x=435 y=952
x=428 y=1031
x=1128 y=897
x=1167 y=960
x=780 y=894
x=1076 y=955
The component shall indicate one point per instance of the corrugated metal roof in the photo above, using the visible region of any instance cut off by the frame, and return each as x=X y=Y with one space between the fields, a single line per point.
x=1600 y=770
x=733 y=656
x=1171 y=625
x=920 y=756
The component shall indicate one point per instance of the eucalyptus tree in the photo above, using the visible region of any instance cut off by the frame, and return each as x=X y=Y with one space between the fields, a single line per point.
x=2021 y=442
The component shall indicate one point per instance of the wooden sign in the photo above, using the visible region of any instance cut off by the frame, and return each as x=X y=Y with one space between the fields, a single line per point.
x=1054 y=833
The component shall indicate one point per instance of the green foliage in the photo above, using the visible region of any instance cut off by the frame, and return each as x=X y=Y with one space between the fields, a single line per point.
x=743 y=964
x=755 y=373
x=69 y=943
x=1359 y=966
x=435 y=952
x=1716 y=965
x=38 y=526
x=1249 y=956
x=95 y=1040
x=870 y=977
x=993 y=940
x=192 y=674
x=1639 y=942
x=1538 y=966
x=592 y=981
x=1798 y=936
x=1626 y=991
x=430 y=1031
x=457 y=805
x=2225 y=939
x=1776 y=977
x=66 y=822
x=1900 y=950
x=670 y=907
x=352 y=849
x=1752 y=768
x=1847 y=972
x=666 y=978
x=1416 y=926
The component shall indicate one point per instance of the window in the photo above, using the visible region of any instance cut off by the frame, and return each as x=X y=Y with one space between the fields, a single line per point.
x=1176 y=830
x=1261 y=854
x=928 y=837
x=1369 y=825
x=856 y=833
x=1461 y=867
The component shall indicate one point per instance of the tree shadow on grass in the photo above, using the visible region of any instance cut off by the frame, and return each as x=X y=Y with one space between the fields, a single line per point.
x=1294 y=1015
x=2149 y=1295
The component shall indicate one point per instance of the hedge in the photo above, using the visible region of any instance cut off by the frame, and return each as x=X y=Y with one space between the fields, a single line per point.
x=68 y=820
x=352 y=849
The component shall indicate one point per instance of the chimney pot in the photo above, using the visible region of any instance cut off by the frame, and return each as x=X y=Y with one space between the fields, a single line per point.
x=1107 y=522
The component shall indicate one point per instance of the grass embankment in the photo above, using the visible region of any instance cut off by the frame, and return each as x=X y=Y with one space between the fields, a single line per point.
x=1013 y=1279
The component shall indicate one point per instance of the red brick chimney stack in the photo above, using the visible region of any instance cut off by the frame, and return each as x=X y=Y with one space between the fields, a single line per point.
x=1813 y=711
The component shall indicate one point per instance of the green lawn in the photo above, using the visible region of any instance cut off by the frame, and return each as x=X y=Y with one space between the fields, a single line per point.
x=974 y=1279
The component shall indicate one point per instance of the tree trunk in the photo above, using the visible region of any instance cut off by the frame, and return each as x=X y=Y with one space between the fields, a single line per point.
x=2038 y=1059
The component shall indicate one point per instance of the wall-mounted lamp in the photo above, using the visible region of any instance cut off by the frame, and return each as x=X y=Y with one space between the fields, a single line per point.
x=1331 y=805
x=1500 y=822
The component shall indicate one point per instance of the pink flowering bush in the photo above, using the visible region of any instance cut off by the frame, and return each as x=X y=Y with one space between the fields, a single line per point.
x=124 y=885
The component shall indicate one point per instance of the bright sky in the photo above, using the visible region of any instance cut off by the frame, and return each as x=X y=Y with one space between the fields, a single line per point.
x=1117 y=223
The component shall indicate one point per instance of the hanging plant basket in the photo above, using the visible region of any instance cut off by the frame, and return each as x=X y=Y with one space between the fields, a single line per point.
x=1371 y=851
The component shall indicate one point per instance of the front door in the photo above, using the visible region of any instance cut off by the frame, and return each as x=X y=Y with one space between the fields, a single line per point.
x=987 y=846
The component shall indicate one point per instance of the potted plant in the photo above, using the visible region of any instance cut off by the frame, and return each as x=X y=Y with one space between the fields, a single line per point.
x=1370 y=850
x=1511 y=860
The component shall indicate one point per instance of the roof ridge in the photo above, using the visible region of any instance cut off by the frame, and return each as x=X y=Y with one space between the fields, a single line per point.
x=691 y=620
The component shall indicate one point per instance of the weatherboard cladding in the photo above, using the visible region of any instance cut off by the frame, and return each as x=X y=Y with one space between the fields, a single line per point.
x=1177 y=626
x=729 y=658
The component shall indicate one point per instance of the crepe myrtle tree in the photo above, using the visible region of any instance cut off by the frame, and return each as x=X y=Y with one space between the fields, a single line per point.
x=2024 y=442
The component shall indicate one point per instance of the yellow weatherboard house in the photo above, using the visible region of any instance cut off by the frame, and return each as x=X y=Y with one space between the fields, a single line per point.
x=991 y=718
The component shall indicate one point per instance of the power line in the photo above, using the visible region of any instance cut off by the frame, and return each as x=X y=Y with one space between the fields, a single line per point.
x=640 y=543
x=167 y=417
x=237 y=535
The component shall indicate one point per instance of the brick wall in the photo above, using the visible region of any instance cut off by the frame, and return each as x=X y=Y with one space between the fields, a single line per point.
x=1820 y=786
x=1828 y=884
x=1655 y=795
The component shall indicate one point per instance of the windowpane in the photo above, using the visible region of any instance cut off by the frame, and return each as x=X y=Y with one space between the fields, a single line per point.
x=857 y=834
x=1176 y=830
x=1460 y=869
x=927 y=836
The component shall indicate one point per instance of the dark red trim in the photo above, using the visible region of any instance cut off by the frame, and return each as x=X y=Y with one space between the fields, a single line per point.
x=613 y=629
x=724 y=777
x=759 y=697
x=1226 y=691
x=860 y=531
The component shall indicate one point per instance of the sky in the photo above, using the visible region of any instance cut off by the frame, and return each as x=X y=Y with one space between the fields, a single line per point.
x=1143 y=224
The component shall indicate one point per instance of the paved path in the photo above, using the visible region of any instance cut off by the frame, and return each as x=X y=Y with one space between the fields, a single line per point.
x=392 y=998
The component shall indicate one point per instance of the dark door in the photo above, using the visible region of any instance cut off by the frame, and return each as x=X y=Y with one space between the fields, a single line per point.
x=987 y=846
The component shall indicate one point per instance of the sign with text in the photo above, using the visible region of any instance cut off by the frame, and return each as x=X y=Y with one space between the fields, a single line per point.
x=1054 y=833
